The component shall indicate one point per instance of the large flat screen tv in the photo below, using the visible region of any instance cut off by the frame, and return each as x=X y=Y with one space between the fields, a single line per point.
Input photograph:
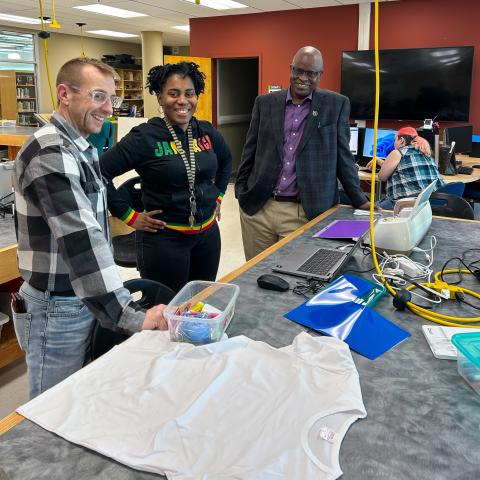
x=415 y=83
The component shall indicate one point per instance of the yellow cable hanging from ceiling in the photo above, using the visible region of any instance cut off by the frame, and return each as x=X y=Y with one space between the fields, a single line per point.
x=82 y=48
x=54 y=23
x=45 y=35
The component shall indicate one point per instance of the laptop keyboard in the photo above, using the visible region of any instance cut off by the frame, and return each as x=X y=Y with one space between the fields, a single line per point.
x=322 y=261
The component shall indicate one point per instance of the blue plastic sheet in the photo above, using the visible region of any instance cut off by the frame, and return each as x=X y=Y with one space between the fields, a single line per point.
x=342 y=311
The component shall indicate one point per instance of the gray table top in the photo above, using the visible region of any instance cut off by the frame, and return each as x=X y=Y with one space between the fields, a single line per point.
x=423 y=419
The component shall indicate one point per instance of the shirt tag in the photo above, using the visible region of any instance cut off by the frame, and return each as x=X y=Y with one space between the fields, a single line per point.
x=327 y=434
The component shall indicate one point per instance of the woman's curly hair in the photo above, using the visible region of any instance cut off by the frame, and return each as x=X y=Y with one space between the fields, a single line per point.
x=157 y=76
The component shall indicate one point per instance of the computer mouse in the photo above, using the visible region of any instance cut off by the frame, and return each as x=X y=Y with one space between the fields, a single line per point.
x=273 y=282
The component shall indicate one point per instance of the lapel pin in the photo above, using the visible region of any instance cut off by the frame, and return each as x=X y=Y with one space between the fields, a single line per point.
x=315 y=113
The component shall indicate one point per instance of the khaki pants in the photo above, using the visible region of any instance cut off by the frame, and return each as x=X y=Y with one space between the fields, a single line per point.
x=273 y=222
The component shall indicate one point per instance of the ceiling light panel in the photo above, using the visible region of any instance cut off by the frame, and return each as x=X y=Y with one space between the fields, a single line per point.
x=111 y=33
x=185 y=28
x=220 y=4
x=111 y=11
x=17 y=19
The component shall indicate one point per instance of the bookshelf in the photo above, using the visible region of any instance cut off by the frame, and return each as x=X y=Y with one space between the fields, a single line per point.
x=26 y=92
x=130 y=87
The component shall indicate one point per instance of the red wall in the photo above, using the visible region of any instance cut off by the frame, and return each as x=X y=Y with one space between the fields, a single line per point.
x=434 y=23
x=275 y=37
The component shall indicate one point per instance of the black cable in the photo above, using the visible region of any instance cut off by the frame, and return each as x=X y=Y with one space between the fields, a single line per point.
x=475 y=263
x=469 y=304
x=460 y=297
x=310 y=286
x=460 y=277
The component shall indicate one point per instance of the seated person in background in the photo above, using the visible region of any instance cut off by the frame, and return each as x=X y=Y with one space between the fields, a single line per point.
x=408 y=169
x=184 y=165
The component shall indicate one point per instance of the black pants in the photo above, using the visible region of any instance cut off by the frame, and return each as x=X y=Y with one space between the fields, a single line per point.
x=174 y=258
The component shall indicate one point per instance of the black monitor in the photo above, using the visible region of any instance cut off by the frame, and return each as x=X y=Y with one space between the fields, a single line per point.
x=428 y=135
x=462 y=136
x=415 y=83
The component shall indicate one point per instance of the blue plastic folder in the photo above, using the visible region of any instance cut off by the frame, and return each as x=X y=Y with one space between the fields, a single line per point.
x=342 y=311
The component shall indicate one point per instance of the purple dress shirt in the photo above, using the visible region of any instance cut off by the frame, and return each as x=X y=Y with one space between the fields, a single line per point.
x=295 y=116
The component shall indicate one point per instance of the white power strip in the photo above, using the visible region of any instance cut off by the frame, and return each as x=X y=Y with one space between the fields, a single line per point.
x=410 y=267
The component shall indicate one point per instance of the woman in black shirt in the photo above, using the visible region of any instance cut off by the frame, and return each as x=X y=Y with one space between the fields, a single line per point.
x=184 y=165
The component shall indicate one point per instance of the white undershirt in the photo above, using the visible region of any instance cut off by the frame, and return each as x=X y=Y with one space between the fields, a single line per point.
x=237 y=409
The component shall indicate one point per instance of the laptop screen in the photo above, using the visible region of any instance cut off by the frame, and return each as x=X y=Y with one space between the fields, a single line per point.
x=423 y=197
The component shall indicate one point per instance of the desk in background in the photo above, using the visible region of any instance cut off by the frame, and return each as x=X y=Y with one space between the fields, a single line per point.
x=9 y=348
x=14 y=138
x=422 y=416
x=366 y=176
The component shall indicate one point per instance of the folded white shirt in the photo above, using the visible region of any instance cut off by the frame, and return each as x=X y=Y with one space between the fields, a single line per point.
x=234 y=409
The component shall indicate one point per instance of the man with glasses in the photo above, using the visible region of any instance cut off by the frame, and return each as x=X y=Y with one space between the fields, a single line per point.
x=296 y=148
x=64 y=252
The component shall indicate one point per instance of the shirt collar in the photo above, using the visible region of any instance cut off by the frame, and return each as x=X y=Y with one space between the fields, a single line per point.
x=290 y=99
x=60 y=122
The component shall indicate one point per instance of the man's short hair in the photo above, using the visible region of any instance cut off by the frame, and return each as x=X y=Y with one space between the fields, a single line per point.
x=70 y=73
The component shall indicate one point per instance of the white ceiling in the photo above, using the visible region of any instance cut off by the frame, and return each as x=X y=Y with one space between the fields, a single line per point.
x=163 y=14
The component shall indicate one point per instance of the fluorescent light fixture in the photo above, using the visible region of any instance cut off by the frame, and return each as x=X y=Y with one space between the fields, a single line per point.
x=185 y=28
x=112 y=11
x=14 y=56
x=17 y=19
x=111 y=33
x=219 y=4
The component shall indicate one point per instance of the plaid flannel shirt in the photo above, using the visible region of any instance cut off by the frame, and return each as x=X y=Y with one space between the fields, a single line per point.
x=62 y=224
x=413 y=174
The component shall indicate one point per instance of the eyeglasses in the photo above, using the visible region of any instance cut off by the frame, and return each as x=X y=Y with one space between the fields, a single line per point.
x=100 y=97
x=300 y=72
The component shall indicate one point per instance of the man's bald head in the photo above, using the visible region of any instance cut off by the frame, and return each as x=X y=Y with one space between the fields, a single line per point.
x=305 y=72
x=309 y=54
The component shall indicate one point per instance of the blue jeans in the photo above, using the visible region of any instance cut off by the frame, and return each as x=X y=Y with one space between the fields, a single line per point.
x=55 y=333
x=386 y=204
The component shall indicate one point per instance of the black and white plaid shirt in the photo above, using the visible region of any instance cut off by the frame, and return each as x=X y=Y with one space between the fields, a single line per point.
x=62 y=224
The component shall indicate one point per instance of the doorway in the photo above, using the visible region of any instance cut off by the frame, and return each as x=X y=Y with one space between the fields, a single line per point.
x=237 y=88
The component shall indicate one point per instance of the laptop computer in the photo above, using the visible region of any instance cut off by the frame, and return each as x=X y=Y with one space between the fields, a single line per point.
x=320 y=263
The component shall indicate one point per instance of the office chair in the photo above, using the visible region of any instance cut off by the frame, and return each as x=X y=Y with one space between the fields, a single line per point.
x=454 y=188
x=152 y=292
x=124 y=251
x=472 y=193
x=452 y=206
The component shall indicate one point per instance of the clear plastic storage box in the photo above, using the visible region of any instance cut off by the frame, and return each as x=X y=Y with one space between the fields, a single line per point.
x=201 y=311
x=468 y=358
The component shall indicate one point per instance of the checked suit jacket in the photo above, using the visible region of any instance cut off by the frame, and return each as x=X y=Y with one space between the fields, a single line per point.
x=322 y=157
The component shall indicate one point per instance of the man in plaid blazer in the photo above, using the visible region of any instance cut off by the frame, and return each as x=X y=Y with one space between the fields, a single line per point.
x=296 y=148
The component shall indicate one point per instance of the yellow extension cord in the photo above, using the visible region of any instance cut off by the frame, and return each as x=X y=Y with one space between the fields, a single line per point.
x=435 y=317
x=45 y=47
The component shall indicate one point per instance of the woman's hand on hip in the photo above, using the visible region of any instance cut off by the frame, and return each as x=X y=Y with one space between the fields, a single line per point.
x=147 y=223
